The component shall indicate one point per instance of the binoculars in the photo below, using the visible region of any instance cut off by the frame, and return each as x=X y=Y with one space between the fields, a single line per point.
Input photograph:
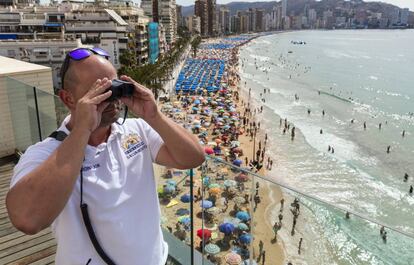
x=120 y=89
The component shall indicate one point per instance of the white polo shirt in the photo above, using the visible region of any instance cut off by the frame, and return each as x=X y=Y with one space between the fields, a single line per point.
x=120 y=191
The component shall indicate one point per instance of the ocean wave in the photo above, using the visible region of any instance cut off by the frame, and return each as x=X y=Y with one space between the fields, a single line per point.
x=260 y=58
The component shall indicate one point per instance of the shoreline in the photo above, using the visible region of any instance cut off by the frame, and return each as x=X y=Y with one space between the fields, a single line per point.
x=270 y=194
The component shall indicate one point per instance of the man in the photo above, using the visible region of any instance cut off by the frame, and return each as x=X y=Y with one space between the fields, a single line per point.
x=115 y=165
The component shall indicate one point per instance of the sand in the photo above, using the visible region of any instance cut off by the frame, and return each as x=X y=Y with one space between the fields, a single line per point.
x=261 y=218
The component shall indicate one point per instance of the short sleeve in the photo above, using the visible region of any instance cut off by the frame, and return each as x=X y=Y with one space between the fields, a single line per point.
x=30 y=160
x=154 y=139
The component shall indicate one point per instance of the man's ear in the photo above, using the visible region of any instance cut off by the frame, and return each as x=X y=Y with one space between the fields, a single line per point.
x=67 y=98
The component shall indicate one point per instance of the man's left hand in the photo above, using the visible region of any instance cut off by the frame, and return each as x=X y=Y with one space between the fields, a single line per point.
x=142 y=103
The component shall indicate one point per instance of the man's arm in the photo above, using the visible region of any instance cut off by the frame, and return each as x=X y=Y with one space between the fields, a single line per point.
x=38 y=198
x=181 y=149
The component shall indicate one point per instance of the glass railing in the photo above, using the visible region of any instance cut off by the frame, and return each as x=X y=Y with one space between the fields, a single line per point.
x=247 y=216
x=34 y=112
x=231 y=215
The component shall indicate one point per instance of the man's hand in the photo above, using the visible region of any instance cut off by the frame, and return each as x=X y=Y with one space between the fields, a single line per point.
x=142 y=103
x=90 y=107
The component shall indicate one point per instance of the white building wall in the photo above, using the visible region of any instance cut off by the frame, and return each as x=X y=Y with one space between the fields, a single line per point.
x=18 y=127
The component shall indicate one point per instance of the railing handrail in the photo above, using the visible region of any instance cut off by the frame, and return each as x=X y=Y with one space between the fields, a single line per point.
x=311 y=197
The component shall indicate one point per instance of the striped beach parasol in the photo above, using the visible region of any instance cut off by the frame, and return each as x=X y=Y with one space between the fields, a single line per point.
x=212 y=249
x=230 y=183
x=233 y=259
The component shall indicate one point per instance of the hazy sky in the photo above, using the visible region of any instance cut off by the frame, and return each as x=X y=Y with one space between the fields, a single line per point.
x=400 y=3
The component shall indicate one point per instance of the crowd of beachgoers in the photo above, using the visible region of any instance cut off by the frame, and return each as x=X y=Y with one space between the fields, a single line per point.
x=209 y=102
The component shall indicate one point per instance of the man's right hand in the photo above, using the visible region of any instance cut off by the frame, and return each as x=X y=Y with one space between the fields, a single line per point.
x=90 y=107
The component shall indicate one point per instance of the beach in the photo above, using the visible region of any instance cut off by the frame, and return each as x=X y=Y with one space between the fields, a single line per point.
x=186 y=109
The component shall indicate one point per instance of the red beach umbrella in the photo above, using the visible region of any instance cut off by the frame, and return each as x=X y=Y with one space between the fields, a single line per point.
x=204 y=233
x=208 y=150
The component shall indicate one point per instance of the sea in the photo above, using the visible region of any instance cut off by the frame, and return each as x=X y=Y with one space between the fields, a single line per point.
x=354 y=77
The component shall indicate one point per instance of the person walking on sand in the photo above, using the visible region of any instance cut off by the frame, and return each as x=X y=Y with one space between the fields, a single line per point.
x=280 y=218
x=405 y=177
x=293 y=133
x=282 y=202
x=263 y=257
x=261 y=244
x=411 y=190
x=300 y=245
x=388 y=149
x=323 y=112
x=365 y=125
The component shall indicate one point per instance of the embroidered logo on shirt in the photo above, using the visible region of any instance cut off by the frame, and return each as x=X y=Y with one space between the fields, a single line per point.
x=132 y=145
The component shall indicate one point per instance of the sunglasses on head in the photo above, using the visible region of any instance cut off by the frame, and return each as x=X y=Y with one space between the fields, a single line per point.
x=78 y=55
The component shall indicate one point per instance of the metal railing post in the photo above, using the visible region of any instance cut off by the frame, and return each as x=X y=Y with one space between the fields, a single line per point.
x=192 y=216
x=37 y=114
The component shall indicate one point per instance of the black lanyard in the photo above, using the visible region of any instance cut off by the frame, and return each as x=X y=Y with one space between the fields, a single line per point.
x=60 y=136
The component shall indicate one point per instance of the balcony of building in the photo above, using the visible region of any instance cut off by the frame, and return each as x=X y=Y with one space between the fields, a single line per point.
x=213 y=214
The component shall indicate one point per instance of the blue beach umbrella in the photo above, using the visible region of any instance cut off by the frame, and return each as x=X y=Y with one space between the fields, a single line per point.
x=226 y=228
x=206 y=181
x=237 y=162
x=186 y=198
x=171 y=182
x=242 y=215
x=182 y=212
x=245 y=238
x=169 y=189
x=205 y=204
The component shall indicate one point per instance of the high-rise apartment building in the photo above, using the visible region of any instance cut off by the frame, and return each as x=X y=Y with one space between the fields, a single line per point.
x=180 y=22
x=404 y=14
x=193 y=24
x=163 y=12
x=224 y=20
x=260 y=20
x=284 y=8
x=200 y=10
x=212 y=18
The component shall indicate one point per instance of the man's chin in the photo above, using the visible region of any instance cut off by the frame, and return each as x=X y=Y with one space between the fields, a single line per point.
x=109 y=118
